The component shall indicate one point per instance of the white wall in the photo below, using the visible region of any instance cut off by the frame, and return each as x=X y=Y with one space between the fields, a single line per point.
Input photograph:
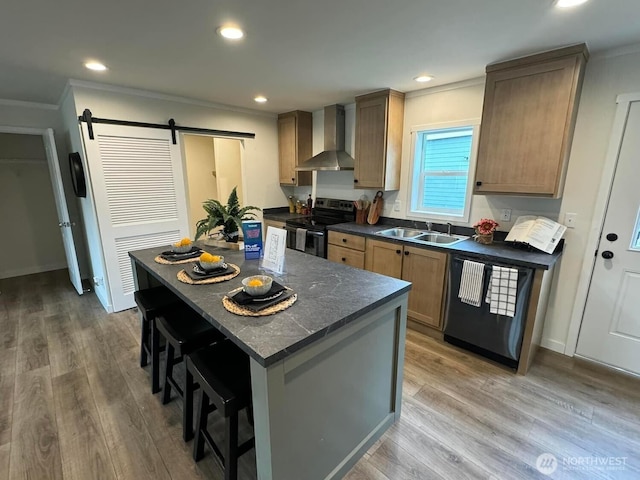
x=200 y=164
x=260 y=154
x=31 y=242
x=228 y=168
x=606 y=77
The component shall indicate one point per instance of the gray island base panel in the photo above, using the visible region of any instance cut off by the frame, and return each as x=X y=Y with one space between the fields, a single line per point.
x=326 y=373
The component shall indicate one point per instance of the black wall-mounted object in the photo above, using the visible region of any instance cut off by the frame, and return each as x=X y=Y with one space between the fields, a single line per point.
x=77 y=175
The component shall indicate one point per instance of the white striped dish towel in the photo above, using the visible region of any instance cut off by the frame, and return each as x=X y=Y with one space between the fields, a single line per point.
x=502 y=291
x=471 y=283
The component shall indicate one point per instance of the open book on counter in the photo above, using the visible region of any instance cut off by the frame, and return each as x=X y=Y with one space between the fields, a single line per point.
x=538 y=232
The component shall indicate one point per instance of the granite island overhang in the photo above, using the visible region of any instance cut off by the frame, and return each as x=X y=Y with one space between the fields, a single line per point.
x=326 y=373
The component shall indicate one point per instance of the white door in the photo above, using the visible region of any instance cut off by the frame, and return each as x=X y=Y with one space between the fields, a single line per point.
x=138 y=187
x=610 y=331
x=63 y=212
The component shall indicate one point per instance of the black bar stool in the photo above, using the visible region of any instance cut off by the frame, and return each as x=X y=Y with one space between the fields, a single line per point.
x=222 y=370
x=185 y=332
x=152 y=302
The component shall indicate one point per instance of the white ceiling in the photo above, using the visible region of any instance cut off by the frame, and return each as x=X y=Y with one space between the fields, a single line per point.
x=300 y=54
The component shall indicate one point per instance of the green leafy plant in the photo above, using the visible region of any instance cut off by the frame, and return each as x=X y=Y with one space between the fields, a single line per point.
x=230 y=216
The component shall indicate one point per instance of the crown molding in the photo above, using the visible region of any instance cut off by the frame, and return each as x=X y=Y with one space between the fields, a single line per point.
x=19 y=103
x=159 y=96
x=445 y=88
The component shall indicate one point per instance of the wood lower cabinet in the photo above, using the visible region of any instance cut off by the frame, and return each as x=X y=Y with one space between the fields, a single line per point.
x=346 y=249
x=294 y=146
x=384 y=258
x=270 y=223
x=530 y=108
x=425 y=269
x=378 y=149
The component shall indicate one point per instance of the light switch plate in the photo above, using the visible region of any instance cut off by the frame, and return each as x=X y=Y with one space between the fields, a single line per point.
x=396 y=206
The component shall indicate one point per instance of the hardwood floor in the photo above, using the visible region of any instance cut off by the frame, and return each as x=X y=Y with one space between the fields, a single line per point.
x=74 y=404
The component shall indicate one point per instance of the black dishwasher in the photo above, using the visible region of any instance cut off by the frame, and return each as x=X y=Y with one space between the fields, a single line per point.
x=498 y=337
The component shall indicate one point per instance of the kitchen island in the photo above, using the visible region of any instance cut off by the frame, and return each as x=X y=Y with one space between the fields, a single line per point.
x=326 y=374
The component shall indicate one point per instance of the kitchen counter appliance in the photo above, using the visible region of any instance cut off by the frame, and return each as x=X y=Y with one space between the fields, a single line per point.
x=498 y=337
x=328 y=211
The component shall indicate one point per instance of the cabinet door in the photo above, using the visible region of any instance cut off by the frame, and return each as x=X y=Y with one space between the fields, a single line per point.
x=371 y=140
x=287 y=149
x=527 y=125
x=426 y=269
x=346 y=256
x=384 y=258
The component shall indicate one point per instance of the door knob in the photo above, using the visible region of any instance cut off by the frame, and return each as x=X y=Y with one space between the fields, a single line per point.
x=607 y=255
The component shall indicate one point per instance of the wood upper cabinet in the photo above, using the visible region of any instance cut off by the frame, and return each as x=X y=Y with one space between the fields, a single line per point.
x=378 y=149
x=530 y=107
x=294 y=146
x=425 y=269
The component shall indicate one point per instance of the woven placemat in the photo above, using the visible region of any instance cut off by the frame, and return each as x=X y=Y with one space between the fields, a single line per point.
x=184 y=278
x=233 y=307
x=162 y=261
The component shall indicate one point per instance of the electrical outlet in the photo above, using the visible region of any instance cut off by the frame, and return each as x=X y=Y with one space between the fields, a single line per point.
x=505 y=215
x=396 y=206
x=570 y=220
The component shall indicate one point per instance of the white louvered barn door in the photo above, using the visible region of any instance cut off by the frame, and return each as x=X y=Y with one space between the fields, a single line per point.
x=138 y=187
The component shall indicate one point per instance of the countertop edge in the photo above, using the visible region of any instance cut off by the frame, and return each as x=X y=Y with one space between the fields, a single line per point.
x=478 y=250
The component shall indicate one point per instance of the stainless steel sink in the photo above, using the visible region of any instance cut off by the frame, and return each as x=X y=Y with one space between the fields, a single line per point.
x=421 y=236
x=441 y=238
x=400 y=233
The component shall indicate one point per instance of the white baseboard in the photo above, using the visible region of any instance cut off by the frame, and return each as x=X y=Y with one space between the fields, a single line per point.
x=31 y=269
x=553 y=345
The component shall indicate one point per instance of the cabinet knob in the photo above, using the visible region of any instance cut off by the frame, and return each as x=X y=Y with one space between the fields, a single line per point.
x=344 y=240
x=344 y=259
x=355 y=180
x=293 y=179
x=478 y=184
x=406 y=253
x=398 y=252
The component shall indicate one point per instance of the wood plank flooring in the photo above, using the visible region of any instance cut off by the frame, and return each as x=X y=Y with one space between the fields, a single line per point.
x=74 y=404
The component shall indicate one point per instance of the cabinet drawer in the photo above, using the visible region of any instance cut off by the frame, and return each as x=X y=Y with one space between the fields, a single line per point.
x=346 y=240
x=346 y=256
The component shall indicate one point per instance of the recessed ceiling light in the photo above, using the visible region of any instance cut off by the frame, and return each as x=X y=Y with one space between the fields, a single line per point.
x=423 y=78
x=95 y=66
x=569 y=3
x=230 y=32
x=260 y=99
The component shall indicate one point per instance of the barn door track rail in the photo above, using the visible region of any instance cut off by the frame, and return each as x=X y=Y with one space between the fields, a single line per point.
x=89 y=119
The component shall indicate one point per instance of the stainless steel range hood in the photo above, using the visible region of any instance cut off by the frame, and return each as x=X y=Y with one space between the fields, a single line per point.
x=333 y=157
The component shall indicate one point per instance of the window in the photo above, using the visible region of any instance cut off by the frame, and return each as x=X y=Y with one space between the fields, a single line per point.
x=443 y=166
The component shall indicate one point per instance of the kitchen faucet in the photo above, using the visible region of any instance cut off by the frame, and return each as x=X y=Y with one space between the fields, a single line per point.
x=428 y=226
x=449 y=228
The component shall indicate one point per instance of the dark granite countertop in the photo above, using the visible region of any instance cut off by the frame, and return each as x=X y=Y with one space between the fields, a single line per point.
x=496 y=252
x=329 y=296
x=282 y=216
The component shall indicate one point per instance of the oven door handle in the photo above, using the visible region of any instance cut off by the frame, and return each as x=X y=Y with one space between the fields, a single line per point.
x=309 y=232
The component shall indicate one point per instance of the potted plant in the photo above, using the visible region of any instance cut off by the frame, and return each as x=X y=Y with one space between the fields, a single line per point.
x=230 y=216
x=484 y=230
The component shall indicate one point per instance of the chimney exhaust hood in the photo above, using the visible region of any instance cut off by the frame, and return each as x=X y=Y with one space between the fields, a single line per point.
x=333 y=157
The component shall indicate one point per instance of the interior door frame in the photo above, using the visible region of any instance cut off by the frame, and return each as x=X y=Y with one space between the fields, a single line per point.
x=45 y=134
x=624 y=102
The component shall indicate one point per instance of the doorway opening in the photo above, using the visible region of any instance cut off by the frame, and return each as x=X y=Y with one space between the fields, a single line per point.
x=213 y=168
